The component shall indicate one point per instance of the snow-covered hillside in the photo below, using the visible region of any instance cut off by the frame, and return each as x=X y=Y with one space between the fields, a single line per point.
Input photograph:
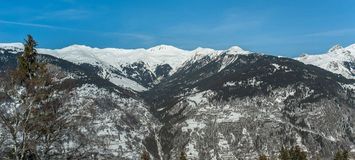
x=121 y=57
x=12 y=46
x=161 y=54
x=337 y=60
x=211 y=104
x=152 y=57
x=239 y=106
x=139 y=69
x=136 y=69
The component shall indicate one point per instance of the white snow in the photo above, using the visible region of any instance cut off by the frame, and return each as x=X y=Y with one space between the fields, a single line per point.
x=125 y=143
x=191 y=151
x=229 y=84
x=231 y=117
x=226 y=61
x=236 y=50
x=109 y=59
x=14 y=47
x=127 y=83
x=276 y=66
x=299 y=142
x=161 y=54
x=348 y=86
x=116 y=57
x=244 y=131
x=253 y=82
x=11 y=45
x=198 y=97
x=333 y=60
x=200 y=52
x=282 y=95
x=331 y=138
x=192 y=124
x=226 y=152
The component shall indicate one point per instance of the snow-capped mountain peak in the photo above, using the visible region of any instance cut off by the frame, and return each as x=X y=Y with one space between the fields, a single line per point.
x=14 y=47
x=78 y=47
x=335 y=48
x=351 y=47
x=200 y=51
x=75 y=53
x=165 y=49
x=125 y=64
x=236 y=50
x=11 y=45
x=337 y=60
x=215 y=91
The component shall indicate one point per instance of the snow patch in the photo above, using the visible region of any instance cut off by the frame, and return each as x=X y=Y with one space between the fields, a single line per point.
x=229 y=84
x=127 y=83
x=191 y=153
x=236 y=50
x=192 y=124
x=231 y=117
x=276 y=66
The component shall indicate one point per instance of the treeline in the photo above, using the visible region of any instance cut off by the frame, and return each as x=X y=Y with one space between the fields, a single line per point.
x=293 y=153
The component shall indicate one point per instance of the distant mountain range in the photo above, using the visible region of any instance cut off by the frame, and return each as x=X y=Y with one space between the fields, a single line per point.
x=212 y=104
x=338 y=60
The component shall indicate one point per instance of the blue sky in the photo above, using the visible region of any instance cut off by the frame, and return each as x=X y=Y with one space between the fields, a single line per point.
x=280 y=27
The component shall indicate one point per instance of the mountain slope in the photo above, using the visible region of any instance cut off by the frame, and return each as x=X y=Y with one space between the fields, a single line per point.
x=136 y=69
x=338 y=60
x=212 y=104
x=111 y=122
x=242 y=105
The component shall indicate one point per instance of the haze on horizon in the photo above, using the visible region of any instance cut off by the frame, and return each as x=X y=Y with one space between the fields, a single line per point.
x=278 y=27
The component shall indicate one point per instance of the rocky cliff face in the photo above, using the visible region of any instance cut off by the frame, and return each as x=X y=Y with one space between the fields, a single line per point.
x=215 y=105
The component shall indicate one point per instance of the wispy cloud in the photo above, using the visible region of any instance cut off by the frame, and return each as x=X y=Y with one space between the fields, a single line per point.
x=145 y=39
x=37 y=25
x=67 y=14
x=332 y=33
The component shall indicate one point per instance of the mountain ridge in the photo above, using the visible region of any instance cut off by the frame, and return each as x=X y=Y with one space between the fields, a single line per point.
x=338 y=59
x=224 y=104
